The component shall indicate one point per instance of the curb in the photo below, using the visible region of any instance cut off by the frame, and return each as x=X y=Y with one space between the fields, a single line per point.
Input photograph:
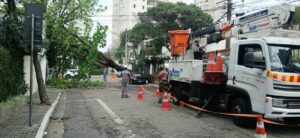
x=44 y=124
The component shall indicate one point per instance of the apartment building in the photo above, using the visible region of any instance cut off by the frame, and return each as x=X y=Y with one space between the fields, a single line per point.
x=125 y=15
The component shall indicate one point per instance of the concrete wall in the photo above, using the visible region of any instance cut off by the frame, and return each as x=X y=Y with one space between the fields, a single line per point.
x=43 y=62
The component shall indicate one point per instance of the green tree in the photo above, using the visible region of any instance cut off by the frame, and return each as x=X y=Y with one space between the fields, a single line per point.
x=157 y=21
x=74 y=42
x=297 y=16
x=62 y=19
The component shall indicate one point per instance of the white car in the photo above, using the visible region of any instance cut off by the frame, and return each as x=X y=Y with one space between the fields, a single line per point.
x=71 y=73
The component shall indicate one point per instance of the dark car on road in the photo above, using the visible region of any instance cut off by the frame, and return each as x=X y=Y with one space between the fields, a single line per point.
x=137 y=78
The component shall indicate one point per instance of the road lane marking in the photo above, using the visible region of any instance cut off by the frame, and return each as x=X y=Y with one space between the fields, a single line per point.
x=110 y=112
x=126 y=133
x=44 y=124
x=116 y=118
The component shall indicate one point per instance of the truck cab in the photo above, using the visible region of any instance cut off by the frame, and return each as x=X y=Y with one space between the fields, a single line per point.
x=267 y=73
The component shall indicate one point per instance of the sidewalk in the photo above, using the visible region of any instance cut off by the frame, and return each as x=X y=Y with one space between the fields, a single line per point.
x=16 y=126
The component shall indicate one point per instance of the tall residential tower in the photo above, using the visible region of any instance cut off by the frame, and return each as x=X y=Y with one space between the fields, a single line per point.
x=125 y=15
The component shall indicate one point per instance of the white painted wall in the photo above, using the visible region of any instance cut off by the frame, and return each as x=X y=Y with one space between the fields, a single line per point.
x=43 y=62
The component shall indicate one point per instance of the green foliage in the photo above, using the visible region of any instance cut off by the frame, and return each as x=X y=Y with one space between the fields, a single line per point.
x=11 y=75
x=11 y=57
x=62 y=27
x=119 y=53
x=65 y=84
x=155 y=24
x=297 y=16
x=157 y=21
x=11 y=34
x=86 y=63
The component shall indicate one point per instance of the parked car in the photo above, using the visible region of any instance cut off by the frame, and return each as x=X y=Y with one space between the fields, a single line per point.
x=70 y=73
x=137 y=78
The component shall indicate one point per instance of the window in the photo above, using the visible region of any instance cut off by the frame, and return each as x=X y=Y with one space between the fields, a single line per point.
x=143 y=7
x=134 y=5
x=251 y=56
x=284 y=58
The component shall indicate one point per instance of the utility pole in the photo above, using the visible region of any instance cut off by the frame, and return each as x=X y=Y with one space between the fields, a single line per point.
x=229 y=9
x=126 y=54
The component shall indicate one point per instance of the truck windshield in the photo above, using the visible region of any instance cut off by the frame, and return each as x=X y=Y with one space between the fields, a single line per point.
x=285 y=58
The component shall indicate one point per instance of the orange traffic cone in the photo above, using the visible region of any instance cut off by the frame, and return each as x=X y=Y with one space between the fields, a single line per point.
x=140 y=93
x=210 y=64
x=165 y=102
x=260 y=129
x=219 y=66
x=157 y=93
x=113 y=76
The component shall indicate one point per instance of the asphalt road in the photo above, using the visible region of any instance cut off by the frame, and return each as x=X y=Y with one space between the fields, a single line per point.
x=92 y=113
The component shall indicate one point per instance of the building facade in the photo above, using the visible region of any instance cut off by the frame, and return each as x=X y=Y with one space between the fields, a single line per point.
x=215 y=8
x=125 y=15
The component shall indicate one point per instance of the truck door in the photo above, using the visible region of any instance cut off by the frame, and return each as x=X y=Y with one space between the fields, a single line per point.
x=250 y=74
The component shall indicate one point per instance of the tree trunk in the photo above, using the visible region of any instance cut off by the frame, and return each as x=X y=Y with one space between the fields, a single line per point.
x=39 y=77
x=11 y=5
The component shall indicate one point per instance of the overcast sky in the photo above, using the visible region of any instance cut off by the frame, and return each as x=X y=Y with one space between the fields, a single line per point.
x=249 y=5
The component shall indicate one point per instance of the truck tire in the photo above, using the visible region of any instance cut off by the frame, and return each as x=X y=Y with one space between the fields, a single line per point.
x=240 y=106
x=176 y=95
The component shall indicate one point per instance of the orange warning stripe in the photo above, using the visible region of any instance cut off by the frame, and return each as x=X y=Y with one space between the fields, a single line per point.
x=283 y=77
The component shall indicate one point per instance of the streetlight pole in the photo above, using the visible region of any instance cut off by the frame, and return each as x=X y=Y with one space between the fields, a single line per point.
x=31 y=69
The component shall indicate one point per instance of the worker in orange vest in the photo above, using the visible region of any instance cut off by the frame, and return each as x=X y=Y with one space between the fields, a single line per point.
x=163 y=80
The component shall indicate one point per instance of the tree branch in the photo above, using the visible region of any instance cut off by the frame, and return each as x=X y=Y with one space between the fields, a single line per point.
x=11 y=4
x=72 y=12
x=101 y=57
x=62 y=11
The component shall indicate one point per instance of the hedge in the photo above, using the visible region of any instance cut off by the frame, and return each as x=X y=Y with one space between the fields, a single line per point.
x=11 y=74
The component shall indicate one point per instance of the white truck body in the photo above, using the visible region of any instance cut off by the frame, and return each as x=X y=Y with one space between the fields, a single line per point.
x=260 y=87
x=250 y=63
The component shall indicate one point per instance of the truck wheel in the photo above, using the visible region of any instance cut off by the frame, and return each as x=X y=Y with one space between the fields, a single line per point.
x=176 y=99
x=185 y=98
x=240 y=106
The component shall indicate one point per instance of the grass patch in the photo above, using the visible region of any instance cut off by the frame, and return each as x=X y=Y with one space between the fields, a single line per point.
x=10 y=103
x=66 y=84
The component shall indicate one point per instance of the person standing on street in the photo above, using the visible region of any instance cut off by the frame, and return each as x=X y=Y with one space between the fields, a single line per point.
x=163 y=78
x=104 y=75
x=125 y=75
